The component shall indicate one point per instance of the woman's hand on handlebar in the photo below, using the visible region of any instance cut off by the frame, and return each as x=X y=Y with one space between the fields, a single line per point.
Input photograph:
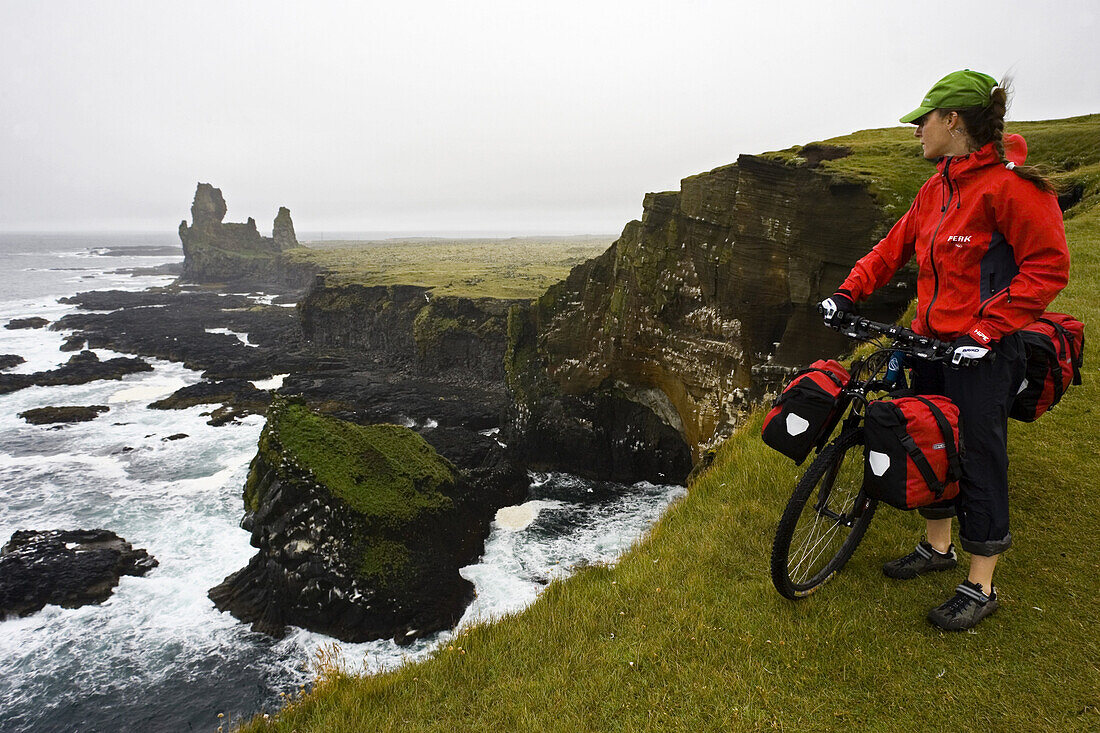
x=834 y=308
x=967 y=351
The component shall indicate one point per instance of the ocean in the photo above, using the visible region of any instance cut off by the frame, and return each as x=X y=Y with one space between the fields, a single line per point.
x=157 y=655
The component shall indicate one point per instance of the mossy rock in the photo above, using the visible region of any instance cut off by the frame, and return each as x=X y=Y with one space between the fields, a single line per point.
x=360 y=530
x=386 y=473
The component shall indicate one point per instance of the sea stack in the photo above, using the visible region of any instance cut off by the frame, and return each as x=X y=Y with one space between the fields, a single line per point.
x=216 y=251
x=360 y=531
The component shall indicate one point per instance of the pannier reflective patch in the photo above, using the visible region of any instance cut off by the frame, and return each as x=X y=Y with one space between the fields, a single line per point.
x=796 y=425
x=806 y=410
x=880 y=462
x=1023 y=386
x=912 y=450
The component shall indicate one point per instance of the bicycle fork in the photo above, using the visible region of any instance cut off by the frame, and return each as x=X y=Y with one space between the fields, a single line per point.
x=821 y=507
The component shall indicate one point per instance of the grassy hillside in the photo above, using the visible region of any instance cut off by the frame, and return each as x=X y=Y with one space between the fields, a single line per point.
x=686 y=633
x=888 y=158
x=519 y=267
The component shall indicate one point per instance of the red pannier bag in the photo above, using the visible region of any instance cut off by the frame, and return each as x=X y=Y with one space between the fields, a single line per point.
x=912 y=450
x=1055 y=345
x=805 y=409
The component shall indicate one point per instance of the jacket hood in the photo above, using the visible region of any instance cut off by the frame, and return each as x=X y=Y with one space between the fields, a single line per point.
x=1015 y=149
x=1015 y=153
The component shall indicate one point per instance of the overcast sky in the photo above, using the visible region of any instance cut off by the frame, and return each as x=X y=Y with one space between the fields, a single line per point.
x=504 y=116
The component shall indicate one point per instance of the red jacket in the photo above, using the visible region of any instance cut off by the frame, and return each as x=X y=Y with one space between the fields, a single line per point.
x=990 y=246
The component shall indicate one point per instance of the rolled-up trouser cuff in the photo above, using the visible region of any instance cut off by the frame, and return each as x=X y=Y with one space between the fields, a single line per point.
x=937 y=512
x=987 y=548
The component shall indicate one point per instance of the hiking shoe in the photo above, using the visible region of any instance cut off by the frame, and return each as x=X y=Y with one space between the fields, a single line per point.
x=922 y=560
x=964 y=609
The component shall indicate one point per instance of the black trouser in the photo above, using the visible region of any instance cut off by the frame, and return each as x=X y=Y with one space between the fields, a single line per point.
x=983 y=393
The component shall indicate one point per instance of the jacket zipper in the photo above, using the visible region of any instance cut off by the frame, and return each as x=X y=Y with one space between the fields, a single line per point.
x=932 y=250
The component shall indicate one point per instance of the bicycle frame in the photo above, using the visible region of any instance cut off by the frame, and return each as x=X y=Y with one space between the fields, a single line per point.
x=854 y=396
x=829 y=495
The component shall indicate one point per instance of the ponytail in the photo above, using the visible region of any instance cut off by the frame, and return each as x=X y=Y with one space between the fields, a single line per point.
x=987 y=124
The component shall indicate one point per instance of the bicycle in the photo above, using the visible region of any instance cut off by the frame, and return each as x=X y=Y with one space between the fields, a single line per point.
x=815 y=539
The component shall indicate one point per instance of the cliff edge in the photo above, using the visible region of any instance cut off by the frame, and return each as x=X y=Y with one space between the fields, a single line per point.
x=692 y=314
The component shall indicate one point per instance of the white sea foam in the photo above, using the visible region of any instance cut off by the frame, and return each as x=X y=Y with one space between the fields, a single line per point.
x=274 y=383
x=181 y=500
x=520 y=516
x=147 y=392
x=563 y=534
x=242 y=337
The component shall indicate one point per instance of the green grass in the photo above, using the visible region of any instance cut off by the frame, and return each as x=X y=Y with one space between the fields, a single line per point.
x=887 y=158
x=686 y=633
x=384 y=472
x=495 y=268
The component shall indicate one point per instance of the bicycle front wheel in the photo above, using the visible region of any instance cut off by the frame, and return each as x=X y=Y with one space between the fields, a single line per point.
x=825 y=519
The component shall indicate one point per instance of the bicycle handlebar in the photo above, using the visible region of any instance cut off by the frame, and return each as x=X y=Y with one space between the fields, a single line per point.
x=861 y=328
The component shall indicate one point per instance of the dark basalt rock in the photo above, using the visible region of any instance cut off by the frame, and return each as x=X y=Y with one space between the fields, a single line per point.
x=65 y=568
x=407 y=327
x=455 y=419
x=379 y=395
x=605 y=434
x=172 y=324
x=175 y=436
x=239 y=397
x=282 y=231
x=80 y=369
x=361 y=531
x=814 y=153
x=7 y=361
x=49 y=415
x=17 y=323
x=205 y=393
x=73 y=343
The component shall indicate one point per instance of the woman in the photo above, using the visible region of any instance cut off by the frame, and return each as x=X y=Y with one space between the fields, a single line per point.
x=991 y=248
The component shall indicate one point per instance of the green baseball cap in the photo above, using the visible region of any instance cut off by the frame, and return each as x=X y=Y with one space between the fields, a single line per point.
x=957 y=90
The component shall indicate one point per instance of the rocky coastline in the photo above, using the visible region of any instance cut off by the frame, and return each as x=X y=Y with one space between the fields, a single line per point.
x=237 y=255
x=79 y=369
x=52 y=415
x=628 y=370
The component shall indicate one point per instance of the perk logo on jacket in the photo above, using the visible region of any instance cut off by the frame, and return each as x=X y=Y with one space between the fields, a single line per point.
x=959 y=239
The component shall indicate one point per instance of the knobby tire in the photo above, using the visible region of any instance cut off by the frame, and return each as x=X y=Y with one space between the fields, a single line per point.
x=808 y=553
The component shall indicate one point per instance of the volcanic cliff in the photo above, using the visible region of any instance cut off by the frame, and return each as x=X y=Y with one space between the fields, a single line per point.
x=655 y=349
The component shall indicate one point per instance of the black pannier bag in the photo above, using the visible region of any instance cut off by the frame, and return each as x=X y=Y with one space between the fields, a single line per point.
x=1055 y=346
x=805 y=409
x=912 y=450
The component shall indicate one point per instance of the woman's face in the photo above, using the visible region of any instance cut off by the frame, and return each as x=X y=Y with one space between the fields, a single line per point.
x=934 y=132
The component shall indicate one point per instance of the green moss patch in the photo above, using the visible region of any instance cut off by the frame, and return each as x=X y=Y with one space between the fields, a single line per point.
x=383 y=562
x=430 y=326
x=384 y=472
